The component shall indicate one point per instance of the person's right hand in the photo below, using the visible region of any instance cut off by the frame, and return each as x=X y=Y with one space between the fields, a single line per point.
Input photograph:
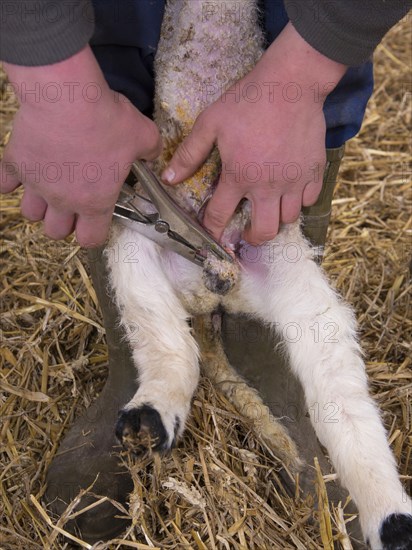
x=71 y=147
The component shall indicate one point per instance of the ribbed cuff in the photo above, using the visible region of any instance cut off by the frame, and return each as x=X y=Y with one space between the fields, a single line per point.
x=346 y=31
x=43 y=32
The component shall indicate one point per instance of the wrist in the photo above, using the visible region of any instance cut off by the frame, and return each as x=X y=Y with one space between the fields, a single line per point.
x=77 y=81
x=292 y=60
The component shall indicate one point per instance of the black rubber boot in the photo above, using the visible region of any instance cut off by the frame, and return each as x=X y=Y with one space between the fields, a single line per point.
x=90 y=451
x=316 y=217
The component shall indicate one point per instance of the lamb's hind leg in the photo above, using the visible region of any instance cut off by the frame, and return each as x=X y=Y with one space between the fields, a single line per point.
x=164 y=352
x=319 y=333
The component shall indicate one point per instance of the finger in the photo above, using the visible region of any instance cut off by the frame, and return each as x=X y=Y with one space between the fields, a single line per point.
x=290 y=207
x=58 y=224
x=146 y=136
x=9 y=179
x=152 y=144
x=264 y=223
x=32 y=206
x=93 y=231
x=221 y=208
x=311 y=193
x=190 y=154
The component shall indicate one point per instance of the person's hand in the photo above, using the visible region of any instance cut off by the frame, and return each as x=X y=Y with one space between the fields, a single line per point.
x=71 y=147
x=270 y=132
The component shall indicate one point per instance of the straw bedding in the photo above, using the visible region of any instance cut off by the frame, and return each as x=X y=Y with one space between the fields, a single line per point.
x=217 y=489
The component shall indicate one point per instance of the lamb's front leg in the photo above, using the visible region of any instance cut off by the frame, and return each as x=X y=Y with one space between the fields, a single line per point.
x=164 y=352
x=288 y=290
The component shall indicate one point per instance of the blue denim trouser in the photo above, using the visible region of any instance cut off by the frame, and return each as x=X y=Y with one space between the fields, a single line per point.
x=125 y=40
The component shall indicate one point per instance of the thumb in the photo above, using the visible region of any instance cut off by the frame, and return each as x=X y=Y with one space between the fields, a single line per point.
x=92 y=231
x=149 y=141
x=190 y=154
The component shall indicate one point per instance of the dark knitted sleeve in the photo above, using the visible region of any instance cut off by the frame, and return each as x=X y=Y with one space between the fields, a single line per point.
x=40 y=32
x=346 y=31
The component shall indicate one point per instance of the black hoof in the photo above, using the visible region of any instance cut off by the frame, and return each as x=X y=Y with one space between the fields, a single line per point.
x=141 y=430
x=396 y=532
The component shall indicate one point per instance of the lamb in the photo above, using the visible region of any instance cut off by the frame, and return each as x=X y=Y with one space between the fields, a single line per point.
x=200 y=56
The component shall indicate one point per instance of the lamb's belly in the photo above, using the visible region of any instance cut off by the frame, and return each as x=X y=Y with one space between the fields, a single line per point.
x=203 y=51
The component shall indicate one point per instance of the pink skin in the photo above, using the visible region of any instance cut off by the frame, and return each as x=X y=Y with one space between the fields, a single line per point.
x=271 y=133
x=72 y=155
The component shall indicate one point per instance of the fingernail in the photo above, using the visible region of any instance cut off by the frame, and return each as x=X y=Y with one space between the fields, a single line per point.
x=169 y=175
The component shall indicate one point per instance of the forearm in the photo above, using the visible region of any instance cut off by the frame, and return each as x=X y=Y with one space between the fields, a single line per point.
x=39 y=32
x=345 y=31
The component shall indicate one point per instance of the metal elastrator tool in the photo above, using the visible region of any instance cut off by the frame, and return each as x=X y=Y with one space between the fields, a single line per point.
x=170 y=226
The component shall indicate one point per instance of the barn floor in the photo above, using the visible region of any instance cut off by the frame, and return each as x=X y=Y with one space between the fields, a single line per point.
x=214 y=491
